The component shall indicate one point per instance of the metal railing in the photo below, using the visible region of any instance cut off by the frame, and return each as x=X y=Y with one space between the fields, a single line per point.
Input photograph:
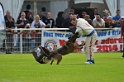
x=24 y=40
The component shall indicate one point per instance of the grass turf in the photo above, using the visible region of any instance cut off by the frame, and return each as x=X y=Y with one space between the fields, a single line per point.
x=108 y=67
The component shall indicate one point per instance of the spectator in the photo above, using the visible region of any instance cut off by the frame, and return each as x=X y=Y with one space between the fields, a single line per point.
x=8 y=14
x=121 y=19
x=60 y=20
x=94 y=14
x=66 y=22
x=42 y=16
x=30 y=18
x=83 y=14
x=43 y=9
x=105 y=17
x=109 y=23
x=87 y=18
x=28 y=39
x=10 y=24
x=49 y=21
x=27 y=11
x=22 y=22
x=72 y=10
x=6 y=17
x=117 y=18
x=98 y=22
x=106 y=12
x=37 y=23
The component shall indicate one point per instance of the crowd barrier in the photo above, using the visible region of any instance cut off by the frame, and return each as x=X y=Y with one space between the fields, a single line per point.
x=24 y=40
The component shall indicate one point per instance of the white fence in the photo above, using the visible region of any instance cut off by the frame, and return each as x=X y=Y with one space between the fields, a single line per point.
x=25 y=40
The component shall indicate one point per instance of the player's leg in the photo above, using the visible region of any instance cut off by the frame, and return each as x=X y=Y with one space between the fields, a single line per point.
x=89 y=45
x=88 y=50
x=93 y=41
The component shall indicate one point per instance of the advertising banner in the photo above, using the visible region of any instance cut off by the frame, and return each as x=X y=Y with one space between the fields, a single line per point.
x=108 y=40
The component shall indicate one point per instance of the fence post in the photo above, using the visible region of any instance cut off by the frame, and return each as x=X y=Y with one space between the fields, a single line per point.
x=21 y=49
x=42 y=37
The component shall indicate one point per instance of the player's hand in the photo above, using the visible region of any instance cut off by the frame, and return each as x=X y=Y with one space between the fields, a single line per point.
x=78 y=35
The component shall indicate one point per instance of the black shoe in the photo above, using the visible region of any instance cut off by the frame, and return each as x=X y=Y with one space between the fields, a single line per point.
x=8 y=51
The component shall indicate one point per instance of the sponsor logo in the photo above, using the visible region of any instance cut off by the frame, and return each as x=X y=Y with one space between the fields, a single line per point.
x=50 y=44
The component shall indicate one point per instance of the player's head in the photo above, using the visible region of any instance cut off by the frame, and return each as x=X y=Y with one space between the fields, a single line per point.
x=73 y=20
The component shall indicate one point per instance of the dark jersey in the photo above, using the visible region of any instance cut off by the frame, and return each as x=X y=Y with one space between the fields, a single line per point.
x=49 y=21
x=19 y=21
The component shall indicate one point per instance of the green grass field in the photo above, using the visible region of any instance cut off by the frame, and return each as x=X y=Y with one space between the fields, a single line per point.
x=108 y=67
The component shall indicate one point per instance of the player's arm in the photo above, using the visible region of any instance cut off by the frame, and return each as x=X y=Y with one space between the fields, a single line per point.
x=79 y=30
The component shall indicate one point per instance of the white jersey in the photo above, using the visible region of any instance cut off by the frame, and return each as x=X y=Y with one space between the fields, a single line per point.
x=83 y=27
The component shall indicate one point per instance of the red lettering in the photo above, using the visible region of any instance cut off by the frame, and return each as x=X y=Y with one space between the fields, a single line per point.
x=107 y=41
x=106 y=48
x=62 y=42
x=115 y=47
x=110 y=48
x=96 y=42
x=111 y=41
x=77 y=50
x=103 y=42
x=120 y=40
x=99 y=48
